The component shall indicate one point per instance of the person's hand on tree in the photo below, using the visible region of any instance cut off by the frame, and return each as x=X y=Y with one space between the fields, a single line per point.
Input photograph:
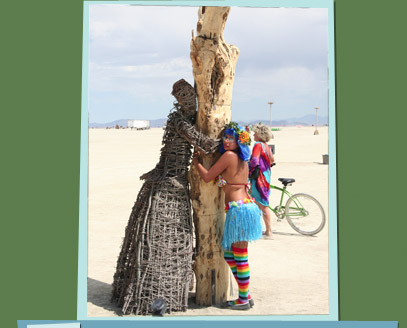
x=196 y=157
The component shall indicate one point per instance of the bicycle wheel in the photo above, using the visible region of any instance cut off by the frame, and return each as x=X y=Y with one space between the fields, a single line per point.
x=305 y=214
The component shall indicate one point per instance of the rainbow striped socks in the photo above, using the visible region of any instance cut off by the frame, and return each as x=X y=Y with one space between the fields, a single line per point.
x=230 y=260
x=238 y=261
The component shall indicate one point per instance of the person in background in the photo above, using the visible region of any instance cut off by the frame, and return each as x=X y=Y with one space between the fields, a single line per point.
x=260 y=171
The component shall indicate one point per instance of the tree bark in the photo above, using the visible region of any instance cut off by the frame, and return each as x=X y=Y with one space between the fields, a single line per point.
x=213 y=62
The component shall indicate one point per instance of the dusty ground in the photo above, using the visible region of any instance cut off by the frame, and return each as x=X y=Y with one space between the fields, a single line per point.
x=293 y=276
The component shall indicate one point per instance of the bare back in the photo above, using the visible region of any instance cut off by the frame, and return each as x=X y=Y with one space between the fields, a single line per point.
x=236 y=174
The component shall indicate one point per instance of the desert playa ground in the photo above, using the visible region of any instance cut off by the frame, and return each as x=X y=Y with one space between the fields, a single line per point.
x=289 y=275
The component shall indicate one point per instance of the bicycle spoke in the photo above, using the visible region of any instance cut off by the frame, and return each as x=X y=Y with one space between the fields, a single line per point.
x=305 y=214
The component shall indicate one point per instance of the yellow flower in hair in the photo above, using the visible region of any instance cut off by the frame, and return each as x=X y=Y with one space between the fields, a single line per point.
x=244 y=137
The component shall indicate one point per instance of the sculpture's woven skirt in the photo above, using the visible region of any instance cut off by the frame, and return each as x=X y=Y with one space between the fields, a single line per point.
x=156 y=256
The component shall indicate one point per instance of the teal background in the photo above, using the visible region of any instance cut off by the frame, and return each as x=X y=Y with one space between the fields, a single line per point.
x=41 y=55
x=214 y=324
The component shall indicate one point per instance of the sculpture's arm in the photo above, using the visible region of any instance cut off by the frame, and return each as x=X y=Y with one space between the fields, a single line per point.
x=196 y=138
x=148 y=175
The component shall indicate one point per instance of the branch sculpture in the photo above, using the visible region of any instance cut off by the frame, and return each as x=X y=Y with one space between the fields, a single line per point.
x=156 y=256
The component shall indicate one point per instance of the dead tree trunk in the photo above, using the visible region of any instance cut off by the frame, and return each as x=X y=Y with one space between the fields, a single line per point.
x=213 y=62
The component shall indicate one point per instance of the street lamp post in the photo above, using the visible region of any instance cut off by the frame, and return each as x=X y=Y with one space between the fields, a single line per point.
x=316 y=124
x=271 y=103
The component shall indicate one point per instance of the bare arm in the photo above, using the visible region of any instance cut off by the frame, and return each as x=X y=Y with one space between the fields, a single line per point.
x=194 y=137
x=221 y=165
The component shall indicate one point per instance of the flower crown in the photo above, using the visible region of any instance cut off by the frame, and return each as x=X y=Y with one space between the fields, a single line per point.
x=243 y=136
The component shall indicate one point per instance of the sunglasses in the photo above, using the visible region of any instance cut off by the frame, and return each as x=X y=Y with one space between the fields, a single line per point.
x=229 y=139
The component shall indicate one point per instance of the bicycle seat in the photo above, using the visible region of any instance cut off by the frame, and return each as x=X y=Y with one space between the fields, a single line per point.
x=286 y=181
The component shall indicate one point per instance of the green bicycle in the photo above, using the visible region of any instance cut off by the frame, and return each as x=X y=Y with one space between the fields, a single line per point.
x=303 y=212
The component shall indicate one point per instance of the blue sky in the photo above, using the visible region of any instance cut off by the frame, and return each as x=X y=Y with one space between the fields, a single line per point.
x=136 y=53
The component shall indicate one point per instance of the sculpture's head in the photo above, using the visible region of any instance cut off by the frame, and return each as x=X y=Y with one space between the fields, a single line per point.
x=186 y=97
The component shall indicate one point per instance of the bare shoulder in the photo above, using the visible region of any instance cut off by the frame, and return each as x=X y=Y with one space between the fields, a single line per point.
x=229 y=155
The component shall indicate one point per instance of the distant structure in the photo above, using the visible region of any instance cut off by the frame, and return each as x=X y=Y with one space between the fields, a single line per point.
x=316 y=122
x=138 y=124
x=271 y=103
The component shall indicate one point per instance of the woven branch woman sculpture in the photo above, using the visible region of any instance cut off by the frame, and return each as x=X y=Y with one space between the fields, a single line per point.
x=156 y=257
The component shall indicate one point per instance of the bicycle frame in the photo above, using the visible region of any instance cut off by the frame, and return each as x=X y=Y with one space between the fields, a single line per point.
x=284 y=191
x=279 y=210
